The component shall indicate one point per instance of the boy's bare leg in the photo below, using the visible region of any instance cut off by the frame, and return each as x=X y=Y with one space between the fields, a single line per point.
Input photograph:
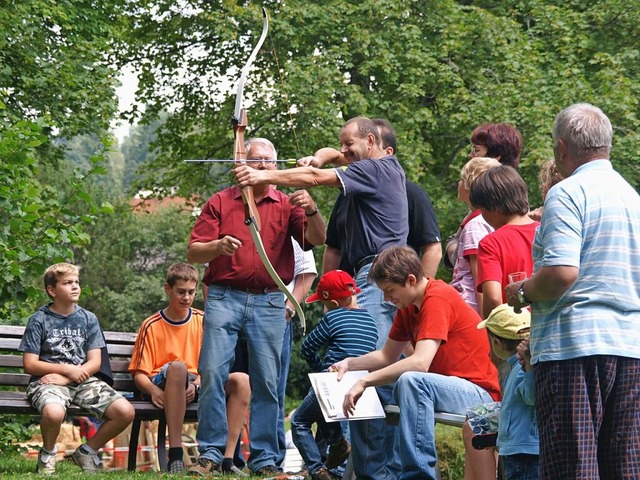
x=175 y=401
x=118 y=415
x=53 y=415
x=478 y=464
x=238 y=393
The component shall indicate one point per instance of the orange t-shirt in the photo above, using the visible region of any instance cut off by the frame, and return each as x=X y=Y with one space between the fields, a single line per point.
x=445 y=316
x=160 y=341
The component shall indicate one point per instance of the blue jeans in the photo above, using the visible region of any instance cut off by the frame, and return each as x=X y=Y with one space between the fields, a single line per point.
x=372 y=440
x=261 y=320
x=517 y=467
x=419 y=396
x=285 y=362
x=305 y=416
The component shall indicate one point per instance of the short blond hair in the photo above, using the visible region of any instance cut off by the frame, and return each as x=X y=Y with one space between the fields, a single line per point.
x=54 y=272
x=474 y=168
x=548 y=177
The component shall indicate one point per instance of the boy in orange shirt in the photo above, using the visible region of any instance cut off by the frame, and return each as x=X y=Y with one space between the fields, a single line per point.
x=165 y=358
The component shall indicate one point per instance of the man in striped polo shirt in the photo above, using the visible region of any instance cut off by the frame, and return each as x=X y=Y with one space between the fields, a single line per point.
x=585 y=296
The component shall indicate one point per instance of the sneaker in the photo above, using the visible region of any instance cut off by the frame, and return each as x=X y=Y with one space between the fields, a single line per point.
x=233 y=470
x=176 y=467
x=338 y=452
x=46 y=463
x=88 y=462
x=321 y=474
x=205 y=468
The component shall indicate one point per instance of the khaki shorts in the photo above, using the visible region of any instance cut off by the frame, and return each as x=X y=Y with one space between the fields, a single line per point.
x=93 y=395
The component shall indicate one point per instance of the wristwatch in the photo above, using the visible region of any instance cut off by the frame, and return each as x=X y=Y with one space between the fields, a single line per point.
x=291 y=311
x=522 y=298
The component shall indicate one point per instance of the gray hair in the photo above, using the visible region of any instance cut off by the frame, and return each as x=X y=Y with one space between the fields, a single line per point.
x=585 y=129
x=260 y=141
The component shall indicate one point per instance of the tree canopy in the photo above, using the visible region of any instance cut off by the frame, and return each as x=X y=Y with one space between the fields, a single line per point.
x=57 y=80
x=435 y=69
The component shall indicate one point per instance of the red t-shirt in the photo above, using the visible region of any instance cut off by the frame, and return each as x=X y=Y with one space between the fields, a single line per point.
x=504 y=251
x=223 y=214
x=445 y=316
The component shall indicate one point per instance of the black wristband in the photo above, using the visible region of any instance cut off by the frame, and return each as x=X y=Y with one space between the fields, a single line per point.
x=315 y=212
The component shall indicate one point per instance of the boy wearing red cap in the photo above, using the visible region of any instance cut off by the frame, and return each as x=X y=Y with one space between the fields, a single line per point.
x=346 y=331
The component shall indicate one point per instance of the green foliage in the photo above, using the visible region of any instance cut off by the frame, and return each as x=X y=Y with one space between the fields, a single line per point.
x=39 y=225
x=126 y=264
x=56 y=79
x=434 y=69
x=55 y=61
x=14 y=430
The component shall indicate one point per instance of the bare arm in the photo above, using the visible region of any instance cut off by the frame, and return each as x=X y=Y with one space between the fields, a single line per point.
x=301 y=287
x=431 y=254
x=331 y=259
x=145 y=385
x=473 y=264
x=204 y=252
x=76 y=373
x=316 y=232
x=304 y=177
x=420 y=361
x=548 y=283
x=322 y=158
x=491 y=296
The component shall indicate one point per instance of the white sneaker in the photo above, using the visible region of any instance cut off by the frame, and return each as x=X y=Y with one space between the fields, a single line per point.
x=46 y=463
x=88 y=462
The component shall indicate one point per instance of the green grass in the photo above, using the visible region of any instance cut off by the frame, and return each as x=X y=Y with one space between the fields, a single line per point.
x=16 y=466
x=448 y=439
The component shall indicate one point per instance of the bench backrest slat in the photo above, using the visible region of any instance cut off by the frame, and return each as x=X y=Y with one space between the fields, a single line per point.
x=119 y=345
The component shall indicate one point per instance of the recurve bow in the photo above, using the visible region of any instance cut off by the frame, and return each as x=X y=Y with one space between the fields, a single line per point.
x=252 y=216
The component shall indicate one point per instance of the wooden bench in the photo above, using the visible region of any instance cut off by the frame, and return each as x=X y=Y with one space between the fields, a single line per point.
x=120 y=347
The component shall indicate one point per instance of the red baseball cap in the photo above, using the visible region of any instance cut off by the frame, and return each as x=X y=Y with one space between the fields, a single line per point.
x=334 y=285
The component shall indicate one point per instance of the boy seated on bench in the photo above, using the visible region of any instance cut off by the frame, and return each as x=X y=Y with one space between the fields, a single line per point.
x=449 y=370
x=164 y=363
x=61 y=351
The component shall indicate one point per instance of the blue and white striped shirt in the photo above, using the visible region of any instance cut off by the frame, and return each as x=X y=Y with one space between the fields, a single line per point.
x=591 y=221
x=346 y=333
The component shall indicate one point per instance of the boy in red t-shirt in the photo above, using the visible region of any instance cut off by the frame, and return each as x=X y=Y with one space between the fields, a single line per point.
x=501 y=196
x=449 y=369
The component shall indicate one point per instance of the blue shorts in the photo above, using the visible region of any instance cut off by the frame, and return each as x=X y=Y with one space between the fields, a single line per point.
x=160 y=379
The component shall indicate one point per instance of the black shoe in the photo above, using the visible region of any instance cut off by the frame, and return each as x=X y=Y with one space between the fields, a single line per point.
x=339 y=451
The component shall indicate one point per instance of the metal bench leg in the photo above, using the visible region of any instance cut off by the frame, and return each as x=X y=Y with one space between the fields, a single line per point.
x=162 y=440
x=349 y=474
x=133 y=445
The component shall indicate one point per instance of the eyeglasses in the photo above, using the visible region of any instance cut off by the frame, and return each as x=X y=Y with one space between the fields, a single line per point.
x=255 y=161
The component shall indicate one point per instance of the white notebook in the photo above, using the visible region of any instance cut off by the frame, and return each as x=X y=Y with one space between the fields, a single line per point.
x=330 y=393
